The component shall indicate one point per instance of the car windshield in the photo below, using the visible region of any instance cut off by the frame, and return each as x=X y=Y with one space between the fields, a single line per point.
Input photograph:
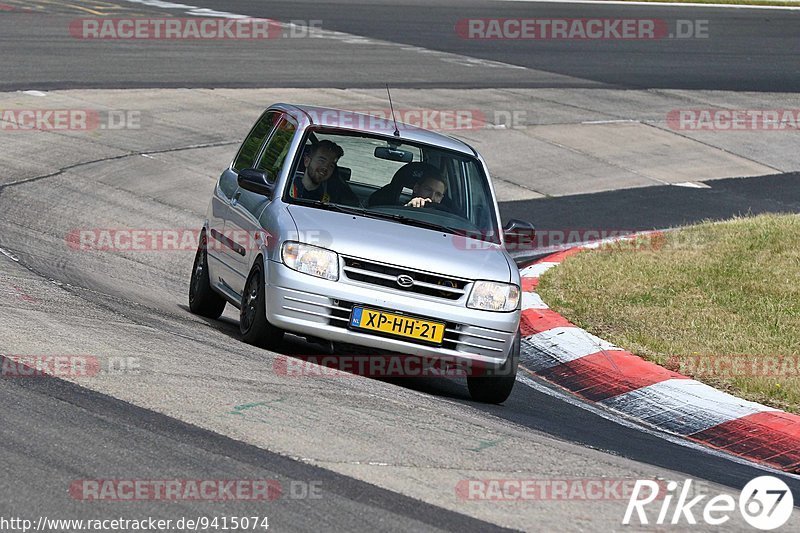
x=394 y=179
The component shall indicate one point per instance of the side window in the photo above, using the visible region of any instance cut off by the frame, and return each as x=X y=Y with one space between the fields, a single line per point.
x=276 y=150
x=479 y=209
x=249 y=150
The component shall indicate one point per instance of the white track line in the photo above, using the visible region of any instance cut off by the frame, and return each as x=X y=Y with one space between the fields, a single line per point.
x=661 y=4
x=9 y=255
x=349 y=38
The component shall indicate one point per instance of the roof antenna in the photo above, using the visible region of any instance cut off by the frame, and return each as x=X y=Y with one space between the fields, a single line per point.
x=396 y=131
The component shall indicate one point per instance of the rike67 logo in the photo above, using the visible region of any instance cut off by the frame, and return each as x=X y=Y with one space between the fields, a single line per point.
x=766 y=503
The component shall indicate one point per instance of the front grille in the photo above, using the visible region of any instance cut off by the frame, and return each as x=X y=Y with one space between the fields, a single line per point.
x=458 y=337
x=386 y=276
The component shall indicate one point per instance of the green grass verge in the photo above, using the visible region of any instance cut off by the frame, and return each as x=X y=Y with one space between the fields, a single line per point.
x=718 y=301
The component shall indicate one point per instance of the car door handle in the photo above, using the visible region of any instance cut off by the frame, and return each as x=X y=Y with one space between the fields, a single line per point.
x=235 y=199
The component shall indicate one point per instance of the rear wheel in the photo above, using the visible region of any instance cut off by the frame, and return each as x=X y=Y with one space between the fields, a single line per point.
x=203 y=300
x=496 y=385
x=253 y=324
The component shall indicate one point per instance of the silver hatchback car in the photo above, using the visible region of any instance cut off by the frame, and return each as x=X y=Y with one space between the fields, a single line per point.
x=349 y=228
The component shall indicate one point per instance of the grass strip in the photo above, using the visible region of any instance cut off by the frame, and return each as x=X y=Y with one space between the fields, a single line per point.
x=719 y=301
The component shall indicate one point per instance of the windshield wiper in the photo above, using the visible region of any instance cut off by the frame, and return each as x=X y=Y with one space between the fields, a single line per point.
x=330 y=207
x=409 y=221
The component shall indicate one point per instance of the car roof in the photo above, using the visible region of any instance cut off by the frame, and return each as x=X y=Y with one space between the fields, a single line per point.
x=352 y=121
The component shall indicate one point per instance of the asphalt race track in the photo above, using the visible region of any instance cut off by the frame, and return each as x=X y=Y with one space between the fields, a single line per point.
x=382 y=455
x=745 y=50
x=646 y=208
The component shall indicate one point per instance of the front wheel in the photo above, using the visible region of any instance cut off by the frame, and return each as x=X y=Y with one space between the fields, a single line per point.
x=203 y=300
x=496 y=385
x=253 y=324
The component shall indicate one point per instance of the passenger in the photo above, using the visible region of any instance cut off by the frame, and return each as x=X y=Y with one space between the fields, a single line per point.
x=425 y=181
x=316 y=183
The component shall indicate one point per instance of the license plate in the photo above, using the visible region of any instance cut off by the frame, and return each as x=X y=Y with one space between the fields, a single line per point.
x=397 y=325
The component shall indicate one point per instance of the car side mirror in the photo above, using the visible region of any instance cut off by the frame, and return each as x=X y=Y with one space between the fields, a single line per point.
x=519 y=235
x=253 y=180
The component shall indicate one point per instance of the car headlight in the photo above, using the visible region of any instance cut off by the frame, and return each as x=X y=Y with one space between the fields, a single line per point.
x=311 y=260
x=493 y=296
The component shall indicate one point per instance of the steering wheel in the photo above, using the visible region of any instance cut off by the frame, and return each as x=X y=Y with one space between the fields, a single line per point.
x=432 y=207
x=437 y=207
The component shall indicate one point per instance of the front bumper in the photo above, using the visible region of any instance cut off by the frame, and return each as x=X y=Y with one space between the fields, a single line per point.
x=307 y=305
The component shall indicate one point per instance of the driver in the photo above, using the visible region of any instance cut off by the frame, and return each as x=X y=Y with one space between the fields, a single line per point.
x=428 y=189
x=425 y=181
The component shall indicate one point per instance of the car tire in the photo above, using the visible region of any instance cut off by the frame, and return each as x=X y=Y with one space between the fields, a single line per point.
x=253 y=324
x=496 y=385
x=203 y=300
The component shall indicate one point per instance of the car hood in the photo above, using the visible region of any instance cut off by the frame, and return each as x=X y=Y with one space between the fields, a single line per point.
x=398 y=244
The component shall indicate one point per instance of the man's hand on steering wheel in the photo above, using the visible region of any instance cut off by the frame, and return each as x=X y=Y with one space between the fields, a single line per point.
x=418 y=202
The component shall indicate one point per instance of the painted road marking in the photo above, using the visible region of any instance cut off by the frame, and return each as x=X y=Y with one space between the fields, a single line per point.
x=348 y=38
x=560 y=345
x=683 y=406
